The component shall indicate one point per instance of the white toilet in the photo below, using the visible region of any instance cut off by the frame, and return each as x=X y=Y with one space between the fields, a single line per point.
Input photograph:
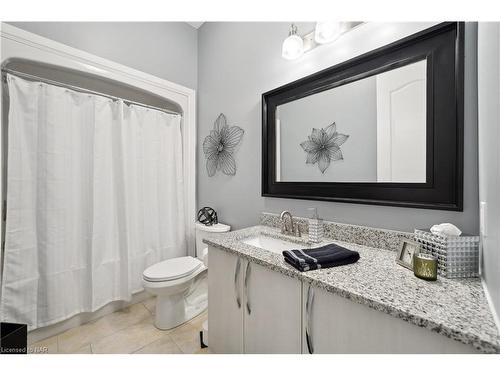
x=180 y=284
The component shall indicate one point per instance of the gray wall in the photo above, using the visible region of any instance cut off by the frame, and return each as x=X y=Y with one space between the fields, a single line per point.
x=489 y=154
x=164 y=49
x=353 y=108
x=240 y=61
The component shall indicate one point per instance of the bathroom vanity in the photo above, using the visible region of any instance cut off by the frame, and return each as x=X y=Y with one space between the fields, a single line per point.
x=260 y=304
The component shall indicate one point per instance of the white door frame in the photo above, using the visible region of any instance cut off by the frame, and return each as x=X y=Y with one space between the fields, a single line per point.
x=18 y=43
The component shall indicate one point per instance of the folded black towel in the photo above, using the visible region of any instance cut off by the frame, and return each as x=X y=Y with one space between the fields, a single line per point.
x=321 y=257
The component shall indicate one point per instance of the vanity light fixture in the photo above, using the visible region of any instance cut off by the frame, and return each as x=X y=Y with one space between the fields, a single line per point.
x=325 y=32
x=293 y=45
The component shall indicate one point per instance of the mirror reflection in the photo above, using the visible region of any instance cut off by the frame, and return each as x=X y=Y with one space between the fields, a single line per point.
x=369 y=130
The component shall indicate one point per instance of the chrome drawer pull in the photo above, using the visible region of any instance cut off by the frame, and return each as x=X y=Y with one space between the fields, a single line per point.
x=309 y=303
x=247 y=276
x=236 y=274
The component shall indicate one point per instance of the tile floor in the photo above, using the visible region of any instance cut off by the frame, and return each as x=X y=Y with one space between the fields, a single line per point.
x=127 y=331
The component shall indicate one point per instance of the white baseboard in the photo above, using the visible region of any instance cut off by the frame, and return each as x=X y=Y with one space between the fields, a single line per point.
x=77 y=320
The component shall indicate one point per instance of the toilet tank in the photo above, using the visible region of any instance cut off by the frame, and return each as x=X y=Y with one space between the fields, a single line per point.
x=202 y=230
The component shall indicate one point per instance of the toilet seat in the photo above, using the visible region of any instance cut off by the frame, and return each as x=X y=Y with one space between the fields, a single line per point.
x=172 y=269
x=171 y=285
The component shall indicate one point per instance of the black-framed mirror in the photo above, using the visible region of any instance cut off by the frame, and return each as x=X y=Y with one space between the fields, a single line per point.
x=383 y=128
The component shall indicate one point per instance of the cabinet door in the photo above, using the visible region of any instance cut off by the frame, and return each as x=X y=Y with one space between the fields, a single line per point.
x=272 y=305
x=333 y=324
x=225 y=302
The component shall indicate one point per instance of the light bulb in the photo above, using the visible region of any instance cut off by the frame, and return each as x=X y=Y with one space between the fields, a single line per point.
x=293 y=45
x=327 y=32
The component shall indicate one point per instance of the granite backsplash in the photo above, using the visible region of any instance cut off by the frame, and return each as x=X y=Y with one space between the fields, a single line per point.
x=360 y=235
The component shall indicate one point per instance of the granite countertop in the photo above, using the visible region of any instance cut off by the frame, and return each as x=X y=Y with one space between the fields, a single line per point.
x=456 y=308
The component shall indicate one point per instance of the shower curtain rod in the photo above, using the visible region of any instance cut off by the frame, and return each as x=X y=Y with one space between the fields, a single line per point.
x=81 y=89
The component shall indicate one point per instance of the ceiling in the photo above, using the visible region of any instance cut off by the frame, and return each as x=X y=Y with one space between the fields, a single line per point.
x=196 y=25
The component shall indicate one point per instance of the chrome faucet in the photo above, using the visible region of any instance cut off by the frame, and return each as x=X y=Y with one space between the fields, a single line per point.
x=293 y=230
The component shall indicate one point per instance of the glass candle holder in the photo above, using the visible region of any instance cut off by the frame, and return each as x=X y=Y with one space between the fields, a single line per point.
x=425 y=266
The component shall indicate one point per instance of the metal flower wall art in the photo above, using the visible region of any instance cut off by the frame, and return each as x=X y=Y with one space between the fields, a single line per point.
x=323 y=146
x=220 y=145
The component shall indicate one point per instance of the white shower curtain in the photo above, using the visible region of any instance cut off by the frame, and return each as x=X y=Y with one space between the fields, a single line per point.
x=94 y=196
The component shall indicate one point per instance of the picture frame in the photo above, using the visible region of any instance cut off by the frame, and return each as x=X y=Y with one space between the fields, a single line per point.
x=406 y=252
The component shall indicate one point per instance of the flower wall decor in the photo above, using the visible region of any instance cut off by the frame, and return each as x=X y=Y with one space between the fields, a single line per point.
x=220 y=145
x=323 y=146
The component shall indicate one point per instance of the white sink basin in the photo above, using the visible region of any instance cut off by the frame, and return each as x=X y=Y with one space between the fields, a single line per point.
x=274 y=245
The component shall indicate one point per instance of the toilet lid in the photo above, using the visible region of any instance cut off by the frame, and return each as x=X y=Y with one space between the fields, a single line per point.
x=215 y=228
x=172 y=269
